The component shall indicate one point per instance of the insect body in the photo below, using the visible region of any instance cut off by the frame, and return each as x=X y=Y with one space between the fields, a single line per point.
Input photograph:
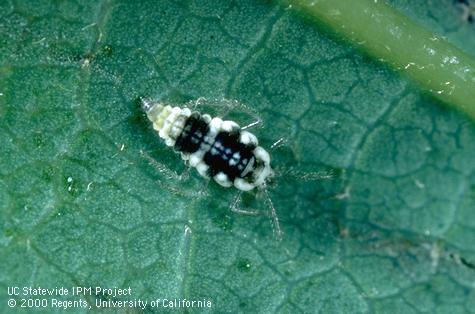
x=216 y=148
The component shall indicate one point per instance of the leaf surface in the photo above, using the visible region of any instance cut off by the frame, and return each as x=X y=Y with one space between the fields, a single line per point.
x=83 y=203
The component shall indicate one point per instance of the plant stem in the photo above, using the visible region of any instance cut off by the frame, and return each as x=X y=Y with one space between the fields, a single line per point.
x=439 y=67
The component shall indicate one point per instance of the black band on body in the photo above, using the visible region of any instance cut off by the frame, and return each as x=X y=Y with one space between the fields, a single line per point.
x=229 y=155
x=194 y=131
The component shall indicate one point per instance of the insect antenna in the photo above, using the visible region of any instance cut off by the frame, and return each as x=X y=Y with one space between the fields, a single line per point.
x=308 y=175
x=302 y=175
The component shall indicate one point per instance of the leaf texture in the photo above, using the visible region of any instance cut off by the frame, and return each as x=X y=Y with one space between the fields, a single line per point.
x=82 y=202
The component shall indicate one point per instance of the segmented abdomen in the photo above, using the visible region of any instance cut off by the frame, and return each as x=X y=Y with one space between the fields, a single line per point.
x=216 y=148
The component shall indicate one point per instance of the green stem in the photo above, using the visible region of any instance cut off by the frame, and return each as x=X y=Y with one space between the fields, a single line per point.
x=440 y=68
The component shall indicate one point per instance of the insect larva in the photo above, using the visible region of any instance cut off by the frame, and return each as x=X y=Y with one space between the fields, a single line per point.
x=217 y=149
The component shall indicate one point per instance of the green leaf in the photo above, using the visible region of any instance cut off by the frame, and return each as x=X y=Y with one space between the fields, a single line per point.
x=83 y=203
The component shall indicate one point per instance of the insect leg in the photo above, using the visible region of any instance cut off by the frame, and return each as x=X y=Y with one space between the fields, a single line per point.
x=225 y=107
x=232 y=105
x=236 y=204
x=272 y=214
x=170 y=174
x=204 y=191
x=278 y=233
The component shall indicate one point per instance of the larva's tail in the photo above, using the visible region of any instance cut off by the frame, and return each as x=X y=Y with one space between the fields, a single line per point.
x=146 y=104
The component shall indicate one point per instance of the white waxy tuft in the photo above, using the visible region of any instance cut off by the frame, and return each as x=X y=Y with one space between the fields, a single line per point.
x=185 y=156
x=223 y=180
x=229 y=126
x=248 y=138
x=169 y=121
x=202 y=169
x=194 y=160
x=207 y=118
x=242 y=185
x=215 y=125
x=262 y=154
x=265 y=172
x=169 y=142
x=186 y=112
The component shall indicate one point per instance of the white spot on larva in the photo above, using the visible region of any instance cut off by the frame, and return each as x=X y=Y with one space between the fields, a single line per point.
x=202 y=169
x=228 y=126
x=242 y=185
x=88 y=188
x=247 y=138
x=194 y=160
x=222 y=179
x=261 y=153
